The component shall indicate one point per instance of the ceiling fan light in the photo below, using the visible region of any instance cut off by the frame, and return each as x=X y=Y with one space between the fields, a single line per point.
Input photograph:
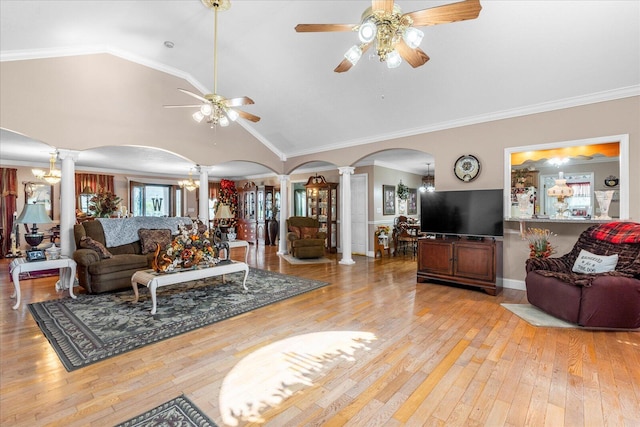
x=233 y=115
x=206 y=109
x=367 y=32
x=224 y=121
x=198 y=116
x=393 y=59
x=354 y=54
x=412 y=37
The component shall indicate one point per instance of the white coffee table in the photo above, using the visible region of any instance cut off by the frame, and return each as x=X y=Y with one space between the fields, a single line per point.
x=153 y=280
x=66 y=265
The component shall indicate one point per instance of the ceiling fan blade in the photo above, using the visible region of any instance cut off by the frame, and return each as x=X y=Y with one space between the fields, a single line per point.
x=311 y=28
x=386 y=5
x=236 y=102
x=415 y=57
x=248 y=116
x=461 y=11
x=195 y=95
x=183 y=106
x=346 y=65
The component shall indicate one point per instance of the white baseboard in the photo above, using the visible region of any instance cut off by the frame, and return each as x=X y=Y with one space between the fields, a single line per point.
x=514 y=284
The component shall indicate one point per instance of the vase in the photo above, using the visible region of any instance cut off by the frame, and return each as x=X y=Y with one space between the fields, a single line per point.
x=604 y=200
x=402 y=207
x=523 y=205
x=272 y=230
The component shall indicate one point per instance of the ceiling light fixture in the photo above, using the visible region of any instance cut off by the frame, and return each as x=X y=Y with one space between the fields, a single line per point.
x=189 y=184
x=393 y=32
x=428 y=182
x=53 y=176
x=216 y=109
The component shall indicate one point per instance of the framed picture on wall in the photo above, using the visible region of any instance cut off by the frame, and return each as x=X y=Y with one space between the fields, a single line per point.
x=412 y=202
x=35 y=192
x=388 y=200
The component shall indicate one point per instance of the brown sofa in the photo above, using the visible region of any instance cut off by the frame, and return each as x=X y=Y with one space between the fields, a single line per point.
x=98 y=274
x=600 y=300
x=304 y=240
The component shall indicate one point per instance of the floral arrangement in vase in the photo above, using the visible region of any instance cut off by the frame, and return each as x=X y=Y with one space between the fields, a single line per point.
x=103 y=204
x=190 y=248
x=382 y=230
x=539 y=242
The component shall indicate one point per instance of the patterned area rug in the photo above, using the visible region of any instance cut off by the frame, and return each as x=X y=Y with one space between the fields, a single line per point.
x=178 y=412
x=92 y=328
x=294 y=261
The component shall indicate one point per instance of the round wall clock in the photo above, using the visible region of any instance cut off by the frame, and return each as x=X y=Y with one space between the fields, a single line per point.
x=467 y=168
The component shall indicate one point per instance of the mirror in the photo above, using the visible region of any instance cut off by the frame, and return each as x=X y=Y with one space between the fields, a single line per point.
x=35 y=192
x=586 y=165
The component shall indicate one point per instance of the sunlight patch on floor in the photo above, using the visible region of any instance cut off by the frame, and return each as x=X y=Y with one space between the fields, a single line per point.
x=268 y=376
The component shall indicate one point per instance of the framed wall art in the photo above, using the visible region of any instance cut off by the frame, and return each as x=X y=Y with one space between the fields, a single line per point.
x=388 y=200
x=412 y=202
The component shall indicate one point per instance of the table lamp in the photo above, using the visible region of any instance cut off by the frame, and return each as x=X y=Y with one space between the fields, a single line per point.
x=560 y=191
x=222 y=213
x=36 y=214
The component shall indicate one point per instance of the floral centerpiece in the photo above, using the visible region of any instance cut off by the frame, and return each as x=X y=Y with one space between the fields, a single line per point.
x=539 y=244
x=103 y=204
x=382 y=230
x=190 y=248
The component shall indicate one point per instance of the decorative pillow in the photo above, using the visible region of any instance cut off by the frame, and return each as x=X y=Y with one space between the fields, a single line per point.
x=296 y=230
x=588 y=263
x=309 y=232
x=88 y=243
x=150 y=237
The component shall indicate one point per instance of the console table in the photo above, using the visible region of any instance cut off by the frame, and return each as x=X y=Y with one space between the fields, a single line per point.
x=153 y=280
x=66 y=265
x=464 y=261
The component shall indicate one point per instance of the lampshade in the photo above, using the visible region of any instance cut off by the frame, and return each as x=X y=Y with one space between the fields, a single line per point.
x=34 y=214
x=560 y=190
x=223 y=212
x=393 y=59
x=367 y=32
x=353 y=54
x=412 y=37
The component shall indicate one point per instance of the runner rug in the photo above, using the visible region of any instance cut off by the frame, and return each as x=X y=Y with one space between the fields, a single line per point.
x=178 y=412
x=92 y=328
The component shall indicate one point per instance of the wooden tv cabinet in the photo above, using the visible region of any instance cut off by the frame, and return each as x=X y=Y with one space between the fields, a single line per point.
x=463 y=261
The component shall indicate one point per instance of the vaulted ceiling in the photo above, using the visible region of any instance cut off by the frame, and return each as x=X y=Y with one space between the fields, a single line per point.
x=97 y=73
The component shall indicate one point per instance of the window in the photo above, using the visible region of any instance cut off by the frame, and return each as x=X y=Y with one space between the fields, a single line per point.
x=155 y=200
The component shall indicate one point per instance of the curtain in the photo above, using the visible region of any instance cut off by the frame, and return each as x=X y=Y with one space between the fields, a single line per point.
x=8 y=196
x=214 y=190
x=94 y=183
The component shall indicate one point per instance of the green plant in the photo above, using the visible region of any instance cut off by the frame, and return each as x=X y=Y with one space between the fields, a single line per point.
x=402 y=191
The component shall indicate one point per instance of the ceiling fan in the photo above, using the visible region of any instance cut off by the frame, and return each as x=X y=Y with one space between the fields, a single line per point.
x=215 y=108
x=393 y=32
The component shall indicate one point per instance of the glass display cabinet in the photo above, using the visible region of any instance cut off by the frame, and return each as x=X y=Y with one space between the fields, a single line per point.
x=322 y=204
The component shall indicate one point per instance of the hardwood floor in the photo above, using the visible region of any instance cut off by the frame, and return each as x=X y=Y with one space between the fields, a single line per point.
x=375 y=348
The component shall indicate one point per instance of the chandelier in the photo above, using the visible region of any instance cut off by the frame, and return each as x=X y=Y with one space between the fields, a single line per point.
x=387 y=29
x=53 y=176
x=189 y=184
x=428 y=182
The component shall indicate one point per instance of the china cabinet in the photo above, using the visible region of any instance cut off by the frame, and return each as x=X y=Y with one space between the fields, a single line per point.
x=322 y=204
x=247 y=213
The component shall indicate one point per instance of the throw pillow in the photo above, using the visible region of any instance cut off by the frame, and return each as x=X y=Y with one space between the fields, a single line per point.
x=588 y=263
x=296 y=230
x=88 y=243
x=309 y=232
x=150 y=237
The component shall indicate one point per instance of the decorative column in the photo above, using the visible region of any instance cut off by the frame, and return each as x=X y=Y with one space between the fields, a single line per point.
x=67 y=200
x=345 y=220
x=203 y=195
x=284 y=213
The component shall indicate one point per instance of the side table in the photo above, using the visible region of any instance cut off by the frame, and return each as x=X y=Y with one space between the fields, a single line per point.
x=66 y=265
x=240 y=244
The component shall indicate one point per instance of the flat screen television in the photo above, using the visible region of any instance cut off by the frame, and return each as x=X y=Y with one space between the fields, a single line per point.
x=469 y=213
